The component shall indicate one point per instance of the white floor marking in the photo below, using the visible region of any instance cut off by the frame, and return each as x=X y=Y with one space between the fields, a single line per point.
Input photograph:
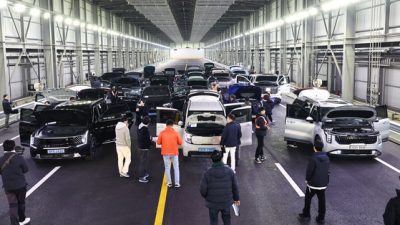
x=1 y=144
x=387 y=164
x=38 y=184
x=282 y=106
x=290 y=180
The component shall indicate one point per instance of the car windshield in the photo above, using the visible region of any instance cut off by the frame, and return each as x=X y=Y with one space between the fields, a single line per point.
x=266 y=78
x=324 y=110
x=156 y=91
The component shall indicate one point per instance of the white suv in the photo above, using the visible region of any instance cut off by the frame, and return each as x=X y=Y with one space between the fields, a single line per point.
x=204 y=120
x=344 y=129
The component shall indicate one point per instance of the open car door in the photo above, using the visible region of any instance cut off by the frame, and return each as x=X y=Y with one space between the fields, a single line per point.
x=296 y=127
x=383 y=123
x=28 y=123
x=231 y=106
x=243 y=117
x=164 y=114
x=107 y=121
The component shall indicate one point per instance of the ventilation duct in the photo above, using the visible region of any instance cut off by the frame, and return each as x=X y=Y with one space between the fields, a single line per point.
x=206 y=14
x=159 y=13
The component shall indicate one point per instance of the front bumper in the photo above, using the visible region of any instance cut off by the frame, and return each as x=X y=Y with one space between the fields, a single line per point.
x=193 y=149
x=62 y=153
x=353 y=150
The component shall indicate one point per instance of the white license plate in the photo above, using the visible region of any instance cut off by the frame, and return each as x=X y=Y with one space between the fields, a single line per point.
x=56 y=151
x=268 y=89
x=206 y=149
x=357 y=147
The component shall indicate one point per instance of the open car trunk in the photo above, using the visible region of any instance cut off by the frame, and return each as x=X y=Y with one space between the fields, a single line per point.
x=205 y=128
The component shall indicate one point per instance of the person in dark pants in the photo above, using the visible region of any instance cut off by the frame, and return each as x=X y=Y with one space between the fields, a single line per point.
x=262 y=126
x=141 y=111
x=268 y=104
x=317 y=179
x=7 y=110
x=113 y=95
x=144 y=144
x=220 y=189
x=392 y=211
x=12 y=169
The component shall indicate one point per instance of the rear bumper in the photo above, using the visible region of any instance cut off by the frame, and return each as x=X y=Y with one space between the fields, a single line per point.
x=192 y=149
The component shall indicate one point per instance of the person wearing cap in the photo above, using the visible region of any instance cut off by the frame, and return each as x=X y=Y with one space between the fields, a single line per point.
x=391 y=216
x=317 y=180
x=219 y=187
x=12 y=170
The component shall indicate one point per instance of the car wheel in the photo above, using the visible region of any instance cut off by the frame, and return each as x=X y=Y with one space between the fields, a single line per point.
x=92 y=149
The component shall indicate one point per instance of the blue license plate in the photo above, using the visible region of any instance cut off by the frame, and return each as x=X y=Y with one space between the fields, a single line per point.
x=56 y=151
x=152 y=114
x=206 y=149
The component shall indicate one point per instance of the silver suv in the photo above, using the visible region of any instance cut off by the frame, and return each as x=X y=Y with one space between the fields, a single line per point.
x=344 y=129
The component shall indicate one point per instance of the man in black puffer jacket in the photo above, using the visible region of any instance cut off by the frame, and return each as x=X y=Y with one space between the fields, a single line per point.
x=144 y=144
x=392 y=211
x=220 y=189
x=317 y=179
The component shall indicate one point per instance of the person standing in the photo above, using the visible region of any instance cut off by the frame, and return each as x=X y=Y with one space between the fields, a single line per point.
x=7 y=110
x=230 y=139
x=268 y=104
x=13 y=167
x=113 y=95
x=317 y=179
x=141 y=111
x=123 y=145
x=262 y=126
x=220 y=189
x=144 y=144
x=169 y=140
x=392 y=211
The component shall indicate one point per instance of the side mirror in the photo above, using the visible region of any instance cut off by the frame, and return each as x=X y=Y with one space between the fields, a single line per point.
x=310 y=119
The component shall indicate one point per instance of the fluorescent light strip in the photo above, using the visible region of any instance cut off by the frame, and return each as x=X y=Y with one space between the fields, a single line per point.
x=59 y=18
x=296 y=17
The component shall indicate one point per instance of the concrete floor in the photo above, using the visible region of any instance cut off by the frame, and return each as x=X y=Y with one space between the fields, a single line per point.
x=85 y=193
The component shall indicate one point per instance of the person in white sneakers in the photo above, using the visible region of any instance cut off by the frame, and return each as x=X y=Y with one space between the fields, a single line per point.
x=12 y=170
x=230 y=139
x=123 y=144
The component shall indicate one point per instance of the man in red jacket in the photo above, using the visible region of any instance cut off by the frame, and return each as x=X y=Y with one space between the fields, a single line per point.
x=169 y=140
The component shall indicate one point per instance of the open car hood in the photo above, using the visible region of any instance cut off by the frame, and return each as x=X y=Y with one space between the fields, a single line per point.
x=243 y=91
x=206 y=118
x=350 y=112
x=92 y=94
x=63 y=116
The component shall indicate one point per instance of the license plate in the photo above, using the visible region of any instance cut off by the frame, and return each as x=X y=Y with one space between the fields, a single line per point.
x=357 y=147
x=152 y=114
x=206 y=149
x=268 y=89
x=56 y=151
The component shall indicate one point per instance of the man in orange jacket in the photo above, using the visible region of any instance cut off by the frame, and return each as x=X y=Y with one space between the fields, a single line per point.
x=169 y=140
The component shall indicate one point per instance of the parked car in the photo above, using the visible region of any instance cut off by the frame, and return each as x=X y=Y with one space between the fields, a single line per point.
x=156 y=96
x=193 y=68
x=148 y=71
x=130 y=90
x=344 y=129
x=208 y=68
x=119 y=70
x=222 y=78
x=92 y=94
x=241 y=91
x=275 y=85
x=71 y=129
x=110 y=76
x=160 y=80
x=197 y=83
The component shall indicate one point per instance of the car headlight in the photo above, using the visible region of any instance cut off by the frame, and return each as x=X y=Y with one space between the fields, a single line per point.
x=188 y=138
x=379 y=139
x=32 y=140
x=85 y=137
x=328 y=137
x=135 y=92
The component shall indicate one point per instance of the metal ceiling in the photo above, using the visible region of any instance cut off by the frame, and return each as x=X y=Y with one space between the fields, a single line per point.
x=122 y=9
x=235 y=13
x=183 y=11
x=159 y=13
x=206 y=14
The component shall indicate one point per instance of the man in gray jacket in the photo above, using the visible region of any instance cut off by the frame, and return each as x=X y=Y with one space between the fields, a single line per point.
x=123 y=145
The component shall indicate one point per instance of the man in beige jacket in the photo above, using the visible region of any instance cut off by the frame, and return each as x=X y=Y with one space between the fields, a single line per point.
x=123 y=144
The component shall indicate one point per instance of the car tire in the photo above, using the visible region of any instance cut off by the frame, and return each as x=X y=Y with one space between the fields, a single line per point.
x=92 y=149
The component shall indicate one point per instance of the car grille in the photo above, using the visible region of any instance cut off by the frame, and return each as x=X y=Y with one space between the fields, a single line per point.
x=364 y=139
x=58 y=142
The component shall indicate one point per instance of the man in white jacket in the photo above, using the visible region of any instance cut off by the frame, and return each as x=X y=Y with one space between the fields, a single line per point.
x=123 y=144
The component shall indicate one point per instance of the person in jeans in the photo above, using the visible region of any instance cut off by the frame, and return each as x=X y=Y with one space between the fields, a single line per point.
x=230 y=139
x=268 y=105
x=12 y=170
x=220 y=189
x=317 y=179
x=7 y=110
x=144 y=144
x=169 y=140
x=262 y=126
x=123 y=145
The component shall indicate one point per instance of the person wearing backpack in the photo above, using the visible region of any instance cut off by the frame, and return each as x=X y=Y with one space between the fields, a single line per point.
x=12 y=170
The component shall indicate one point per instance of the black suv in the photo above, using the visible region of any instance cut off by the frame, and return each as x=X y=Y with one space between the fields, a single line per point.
x=71 y=129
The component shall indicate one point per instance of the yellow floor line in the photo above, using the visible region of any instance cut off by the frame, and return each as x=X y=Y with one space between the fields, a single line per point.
x=161 y=202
